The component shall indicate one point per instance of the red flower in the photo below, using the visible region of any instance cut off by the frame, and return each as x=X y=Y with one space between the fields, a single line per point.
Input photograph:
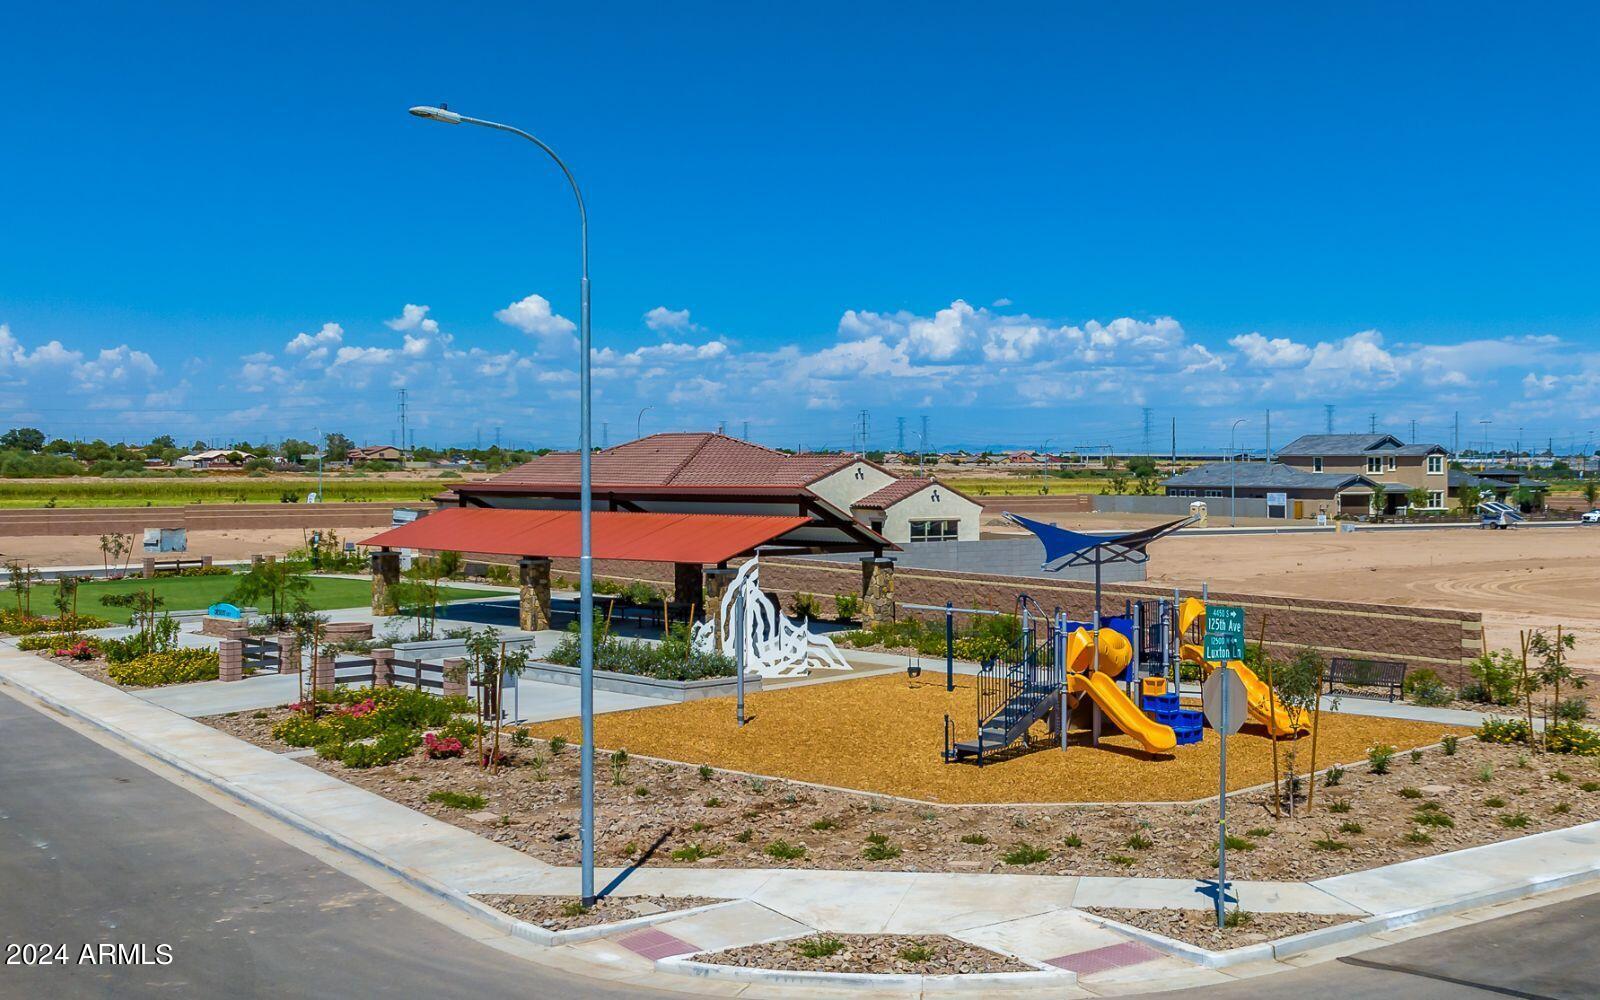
x=438 y=749
x=359 y=709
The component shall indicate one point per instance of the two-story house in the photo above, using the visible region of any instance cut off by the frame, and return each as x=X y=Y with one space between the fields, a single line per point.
x=1381 y=458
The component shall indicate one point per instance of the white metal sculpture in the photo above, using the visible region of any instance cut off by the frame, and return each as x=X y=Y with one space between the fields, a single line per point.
x=774 y=646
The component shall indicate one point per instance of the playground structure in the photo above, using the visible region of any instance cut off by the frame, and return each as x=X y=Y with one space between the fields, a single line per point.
x=1123 y=669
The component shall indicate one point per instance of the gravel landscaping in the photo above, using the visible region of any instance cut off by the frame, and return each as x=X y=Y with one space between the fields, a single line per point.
x=680 y=815
x=563 y=913
x=1199 y=927
x=924 y=954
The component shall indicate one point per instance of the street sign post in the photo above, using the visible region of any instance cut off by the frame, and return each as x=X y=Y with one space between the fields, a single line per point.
x=1224 y=639
x=1226 y=703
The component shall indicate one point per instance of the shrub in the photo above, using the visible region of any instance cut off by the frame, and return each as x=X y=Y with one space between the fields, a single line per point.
x=1590 y=786
x=1378 y=758
x=1570 y=737
x=974 y=838
x=672 y=659
x=386 y=749
x=1450 y=744
x=1419 y=677
x=1329 y=844
x=1486 y=774
x=1431 y=695
x=1561 y=808
x=713 y=802
x=1561 y=776
x=457 y=800
x=1339 y=806
x=1433 y=817
x=819 y=947
x=881 y=852
x=1259 y=831
x=1416 y=756
x=785 y=851
x=1334 y=775
x=439 y=749
x=805 y=605
x=1411 y=793
x=915 y=953
x=1497 y=730
x=1025 y=854
x=1498 y=675
x=1572 y=710
x=693 y=852
x=1239 y=843
x=1515 y=821
x=1350 y=826
x=823 y=824
x=1417 y=837
x=1236 y=918
x=1072 y=840
x=705 y=772
x=557 y=744
x=1139 y=842
x=174 y=666
x=1494 y=802
x=1121 y=860
x=846 y=606
x=619 y=762
x=745 y=836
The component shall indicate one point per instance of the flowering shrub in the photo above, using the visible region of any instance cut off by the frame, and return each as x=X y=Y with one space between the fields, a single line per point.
x=80 y=650
x=174 y=666
x=491 y=756
x=359 y=709
x=1569 y=737
x=15 y=622
x=439 y=749
x=52 y=641
x=1497 y=730
x=369 y=727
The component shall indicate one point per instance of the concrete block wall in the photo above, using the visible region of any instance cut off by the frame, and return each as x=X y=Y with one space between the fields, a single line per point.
x=196 y=517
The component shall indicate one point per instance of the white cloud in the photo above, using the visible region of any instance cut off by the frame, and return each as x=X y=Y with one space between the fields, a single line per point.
x=115 y=365
x=533 y=315
x=1001 y=302
x=1279 y=352
x=662 y=320
x=315 y=346
x=413 y=317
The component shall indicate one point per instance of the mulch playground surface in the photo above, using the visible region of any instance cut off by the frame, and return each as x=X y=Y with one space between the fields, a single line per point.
x=885 y=733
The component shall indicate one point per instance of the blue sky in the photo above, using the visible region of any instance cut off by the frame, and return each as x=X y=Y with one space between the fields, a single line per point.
x=1026 y=221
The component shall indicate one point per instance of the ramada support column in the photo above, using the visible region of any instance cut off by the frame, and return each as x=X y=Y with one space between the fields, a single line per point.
x=533 y=601
x=716 y=586
x=385 y=575
x=877 y=590
x=687 y=584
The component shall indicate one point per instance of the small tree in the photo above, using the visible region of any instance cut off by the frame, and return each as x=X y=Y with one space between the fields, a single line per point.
x=66 y=602
x=417 y=593
x=1418 y=499
x=1118 y=483
x=1380 y=494
x=1297 y=686
x=490 y=663
x=115 y=548
x=1552 y=668
x=311 y=633
x=1591 y=491
x=1470 y=497
x=274 y=583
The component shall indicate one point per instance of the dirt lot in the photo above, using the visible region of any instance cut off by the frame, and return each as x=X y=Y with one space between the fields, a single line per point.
x=1518 y=579
x=237 y=543
x=1199 y=927
x=927 y=954
x=561 y=913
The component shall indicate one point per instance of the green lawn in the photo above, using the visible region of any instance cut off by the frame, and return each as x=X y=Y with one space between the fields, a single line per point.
x=177 y=490
x=189 y=593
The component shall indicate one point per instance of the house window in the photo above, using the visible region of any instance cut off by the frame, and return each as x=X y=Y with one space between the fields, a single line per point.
x=1435 y=464
x=935 y=531
x=1213 y=493
x=1436 y=499
x=1374 y=463
x=1391 y=463
x=1316 y=464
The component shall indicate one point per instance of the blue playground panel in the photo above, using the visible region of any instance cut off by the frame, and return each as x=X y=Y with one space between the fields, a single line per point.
x=1186 y=724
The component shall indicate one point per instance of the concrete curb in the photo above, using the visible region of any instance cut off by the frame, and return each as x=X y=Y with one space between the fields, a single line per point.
x=1297 y=944
x=991 y=982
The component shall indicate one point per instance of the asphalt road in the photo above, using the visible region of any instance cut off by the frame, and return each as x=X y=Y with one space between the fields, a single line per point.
x=96 y=850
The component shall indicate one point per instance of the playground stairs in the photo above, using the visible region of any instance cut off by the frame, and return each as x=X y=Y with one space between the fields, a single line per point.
x=1012 y=721
x=1186 y=724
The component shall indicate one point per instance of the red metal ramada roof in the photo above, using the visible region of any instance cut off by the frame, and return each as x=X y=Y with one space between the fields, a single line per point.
x=685 y=538
x=678 y=459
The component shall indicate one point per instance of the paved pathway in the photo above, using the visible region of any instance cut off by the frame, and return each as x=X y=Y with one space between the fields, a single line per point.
x=1030 y=916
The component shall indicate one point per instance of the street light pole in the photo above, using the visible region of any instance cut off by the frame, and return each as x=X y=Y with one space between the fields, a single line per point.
x=638 y=425
x=1233 y=475
x=585 y=501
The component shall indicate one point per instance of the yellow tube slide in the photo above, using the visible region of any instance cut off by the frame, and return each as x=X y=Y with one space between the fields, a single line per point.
x=1122 y=712
x=1116 y=652
x=1264 y=709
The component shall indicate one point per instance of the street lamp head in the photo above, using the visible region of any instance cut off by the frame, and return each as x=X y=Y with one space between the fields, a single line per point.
x=440 y=114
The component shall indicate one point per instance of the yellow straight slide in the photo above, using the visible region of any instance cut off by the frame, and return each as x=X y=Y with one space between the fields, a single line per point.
x=1122 y=712
x=1263 y=707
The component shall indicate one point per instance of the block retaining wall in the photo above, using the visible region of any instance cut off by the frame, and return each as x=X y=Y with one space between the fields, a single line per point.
x=195 y=517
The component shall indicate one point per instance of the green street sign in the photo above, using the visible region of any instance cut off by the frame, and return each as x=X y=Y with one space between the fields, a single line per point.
x=1224 y=639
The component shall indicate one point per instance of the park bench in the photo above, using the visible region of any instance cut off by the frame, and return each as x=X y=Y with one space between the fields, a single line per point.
x=151 y=566
x=1367 y=673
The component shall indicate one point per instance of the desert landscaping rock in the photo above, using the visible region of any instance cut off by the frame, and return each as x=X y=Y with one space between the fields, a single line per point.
x=1199 y=927
x=872 y=953
x=563 y=913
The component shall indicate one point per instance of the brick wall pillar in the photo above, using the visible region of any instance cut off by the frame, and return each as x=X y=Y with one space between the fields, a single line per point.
x=230 y=653
x=205 y=562
x=716 y=585
x=288 y=654
x=688 y=584
x=877 y=590
x=322 y=670
x=382 y=667
x=385 y=574
x=149 y=566
x=533 y=601
x=455 y=676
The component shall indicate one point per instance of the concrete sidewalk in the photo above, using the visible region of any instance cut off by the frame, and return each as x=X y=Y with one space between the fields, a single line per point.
x=1029 y=916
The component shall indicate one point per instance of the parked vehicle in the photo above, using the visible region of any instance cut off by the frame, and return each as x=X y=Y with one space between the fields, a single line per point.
x=1590 y=517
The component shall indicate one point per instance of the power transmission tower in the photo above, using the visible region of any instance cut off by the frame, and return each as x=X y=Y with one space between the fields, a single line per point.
x=922 y=446
x=862 y=428
x=605 y=434
x=900 y=436
x=1413 y=430
x=1328 y=414
x=1455 y=447
x=1372 y=423
x=1147 y=447
x=746 y=434
x=402 y=421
